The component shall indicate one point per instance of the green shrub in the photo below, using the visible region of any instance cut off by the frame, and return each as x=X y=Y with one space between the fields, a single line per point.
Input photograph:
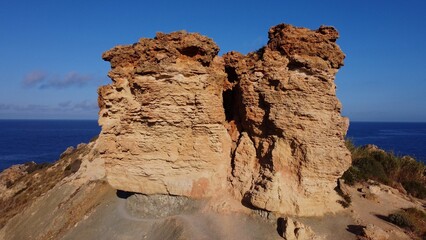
x=386 y=168
x=416 y=189
x=388 y=161
x=410 y=169
x=352 y=176
x=399 y=220
x=369 y=168
x=350 y=145
x=411 y=219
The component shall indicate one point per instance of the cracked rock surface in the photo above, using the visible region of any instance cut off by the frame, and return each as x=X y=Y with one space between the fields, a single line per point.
x=264 y=127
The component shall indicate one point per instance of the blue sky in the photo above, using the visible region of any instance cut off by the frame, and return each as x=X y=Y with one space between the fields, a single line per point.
x=51 y=66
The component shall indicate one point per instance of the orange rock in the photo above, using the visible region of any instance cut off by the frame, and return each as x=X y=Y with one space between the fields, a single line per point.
x=266 y=126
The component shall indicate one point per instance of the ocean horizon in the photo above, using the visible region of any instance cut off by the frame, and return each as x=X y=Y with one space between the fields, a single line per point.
x=41 y=140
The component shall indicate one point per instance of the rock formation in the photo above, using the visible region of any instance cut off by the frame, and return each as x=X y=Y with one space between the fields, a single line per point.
x=286 y=102
x=265 y=127
x=372 y=232
x=291 y=229
x=188 y=137
x=163 y=124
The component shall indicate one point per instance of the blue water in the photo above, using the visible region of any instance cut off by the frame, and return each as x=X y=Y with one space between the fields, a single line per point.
x=44 y=140
x=400 y=138
x=41 y=140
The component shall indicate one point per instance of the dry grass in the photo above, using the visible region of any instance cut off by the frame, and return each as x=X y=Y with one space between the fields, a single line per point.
x=411 y=219
x=384 y=167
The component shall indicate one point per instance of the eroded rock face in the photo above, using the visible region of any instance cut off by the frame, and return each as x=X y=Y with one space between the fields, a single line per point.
x=286 y=103
x=162 y=118
x=267 y=127
x=291 y=229
x=372 y=232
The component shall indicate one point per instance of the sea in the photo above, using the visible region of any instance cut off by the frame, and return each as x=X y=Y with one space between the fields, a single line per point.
x=400 y=138
x=44 y=140
x=41 y=141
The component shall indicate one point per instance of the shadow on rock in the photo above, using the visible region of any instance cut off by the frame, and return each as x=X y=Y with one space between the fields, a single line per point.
x=385 y=218
x=123 y=194
x=280 y=226
x=355 y=229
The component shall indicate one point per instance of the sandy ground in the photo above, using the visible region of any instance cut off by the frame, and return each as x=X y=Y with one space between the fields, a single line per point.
x=331 y=226
x=112 y=220
x=96 y=211
x=371 y=204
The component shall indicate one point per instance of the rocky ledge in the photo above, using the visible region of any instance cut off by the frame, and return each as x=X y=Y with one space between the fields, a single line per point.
x=265 y=128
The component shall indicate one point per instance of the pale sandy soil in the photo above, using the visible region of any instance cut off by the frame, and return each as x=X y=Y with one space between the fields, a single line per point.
x=331 y=226
x=374 y=210
x=197 y=224
x=96 y=211
x=113 y=220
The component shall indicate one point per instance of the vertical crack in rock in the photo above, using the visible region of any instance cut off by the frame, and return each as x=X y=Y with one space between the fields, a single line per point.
x=289 y=113
x=229 y=104
x=266 y=126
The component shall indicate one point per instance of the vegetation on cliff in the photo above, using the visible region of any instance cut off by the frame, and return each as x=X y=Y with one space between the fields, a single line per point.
x=403 y=173
x=410 y=219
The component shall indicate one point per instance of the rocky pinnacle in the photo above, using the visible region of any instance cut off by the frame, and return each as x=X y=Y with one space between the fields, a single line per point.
x=265 y=128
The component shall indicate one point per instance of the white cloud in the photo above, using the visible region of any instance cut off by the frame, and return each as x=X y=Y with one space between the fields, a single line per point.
x=43 y=81
x=34 y=78
x=84 y=105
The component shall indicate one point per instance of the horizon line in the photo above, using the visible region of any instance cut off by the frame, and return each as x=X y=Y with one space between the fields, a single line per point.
x=93 y=119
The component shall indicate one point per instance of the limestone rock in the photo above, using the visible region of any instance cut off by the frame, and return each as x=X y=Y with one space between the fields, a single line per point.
x=22 y=198
x=287 y=105
x=67 y=151
x=10 y=176
x=374 y=189
x=244 y=164
x=372 y=232
x=159 y=206
x=295 y=230
x=162 y=119
x=180 y=120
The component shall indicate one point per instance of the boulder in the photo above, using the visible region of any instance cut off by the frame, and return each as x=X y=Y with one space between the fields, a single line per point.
x=291 y=229
x=373 y=232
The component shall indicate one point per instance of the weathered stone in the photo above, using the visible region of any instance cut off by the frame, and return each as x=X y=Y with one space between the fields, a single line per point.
x=372 y=232
x=287 y=104
x=10 y=176
x=162 y=120
x=244 y=164
x=159 y=206
x=180 y=120
x=67 y=151
x=294 y=230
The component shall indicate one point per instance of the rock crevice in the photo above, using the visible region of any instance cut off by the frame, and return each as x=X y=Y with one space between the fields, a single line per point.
x=264 y=127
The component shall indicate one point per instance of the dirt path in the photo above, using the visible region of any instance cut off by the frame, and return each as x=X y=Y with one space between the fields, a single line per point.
x=371 y=204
